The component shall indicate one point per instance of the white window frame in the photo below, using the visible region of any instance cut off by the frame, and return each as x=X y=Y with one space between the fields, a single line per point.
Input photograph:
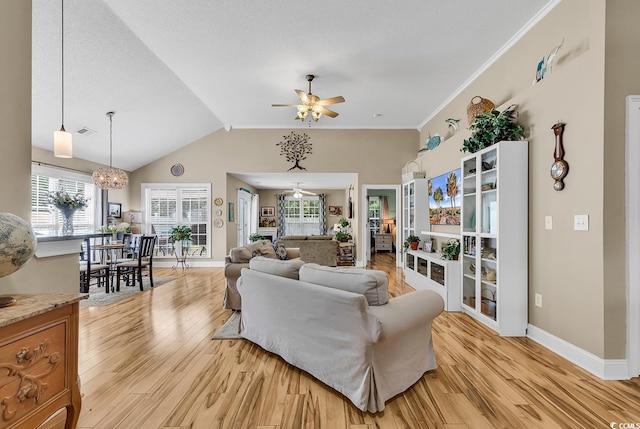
x=375 y=222
x=306 y=225
x=163 y=247
x=85 y=221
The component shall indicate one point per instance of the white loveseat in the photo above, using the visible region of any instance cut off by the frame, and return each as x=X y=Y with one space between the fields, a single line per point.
x=369 y=353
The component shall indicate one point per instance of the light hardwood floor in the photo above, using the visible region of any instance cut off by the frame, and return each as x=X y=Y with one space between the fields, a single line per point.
x=149 y=362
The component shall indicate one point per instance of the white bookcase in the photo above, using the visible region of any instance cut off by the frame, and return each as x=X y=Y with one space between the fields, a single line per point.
x=494 y=237
x=415 y=208
x=429 y=271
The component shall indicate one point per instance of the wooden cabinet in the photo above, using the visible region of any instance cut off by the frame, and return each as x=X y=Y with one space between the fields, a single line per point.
x=424 y=270
x=494 y=237
x=382 y=242
x=39 y=360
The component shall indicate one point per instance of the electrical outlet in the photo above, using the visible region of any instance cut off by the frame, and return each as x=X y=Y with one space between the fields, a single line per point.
x=548 y=222
x=539 y=300
x=581 y=222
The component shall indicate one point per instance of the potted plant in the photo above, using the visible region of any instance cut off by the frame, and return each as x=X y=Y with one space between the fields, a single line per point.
x=180 y=238
x=492 y=127
x=343 y=222
x=412 y=242
x=254 y=236
x=451 y=249
x=343 y=236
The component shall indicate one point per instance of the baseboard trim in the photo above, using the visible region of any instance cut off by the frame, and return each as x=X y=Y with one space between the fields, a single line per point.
x=168 y=263
x=606 y=369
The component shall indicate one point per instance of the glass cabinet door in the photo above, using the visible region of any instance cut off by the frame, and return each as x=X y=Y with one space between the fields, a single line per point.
x=469 y=195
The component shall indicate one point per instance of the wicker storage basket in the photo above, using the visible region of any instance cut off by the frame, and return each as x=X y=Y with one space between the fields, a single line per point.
x=487 y=303
x=478 y=105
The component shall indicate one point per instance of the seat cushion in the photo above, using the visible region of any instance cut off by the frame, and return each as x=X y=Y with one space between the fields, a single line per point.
x=373 y=284
x=278 y=267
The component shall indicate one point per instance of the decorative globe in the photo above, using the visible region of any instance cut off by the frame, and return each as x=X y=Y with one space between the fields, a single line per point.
x=17 y=243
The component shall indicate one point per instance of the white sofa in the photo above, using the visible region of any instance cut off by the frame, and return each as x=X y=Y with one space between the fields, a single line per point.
x=369 y=353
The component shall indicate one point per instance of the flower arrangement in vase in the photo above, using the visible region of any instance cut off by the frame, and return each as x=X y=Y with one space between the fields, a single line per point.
x=68 y=204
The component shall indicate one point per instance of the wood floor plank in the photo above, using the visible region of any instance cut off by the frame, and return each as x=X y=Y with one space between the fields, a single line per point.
x=149 y=363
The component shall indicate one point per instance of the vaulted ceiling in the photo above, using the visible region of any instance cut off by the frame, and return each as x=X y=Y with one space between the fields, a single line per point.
x=175 y=71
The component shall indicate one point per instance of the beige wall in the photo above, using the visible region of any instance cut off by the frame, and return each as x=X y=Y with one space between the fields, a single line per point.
x=567 y=267
x=377 y=156
x=58 y=274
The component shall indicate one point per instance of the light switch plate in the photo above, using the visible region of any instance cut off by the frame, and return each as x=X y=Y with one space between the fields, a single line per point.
x=581 y=222
x=548 y=222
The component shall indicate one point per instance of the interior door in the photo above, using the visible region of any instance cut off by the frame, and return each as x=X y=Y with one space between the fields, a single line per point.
x=244 y=217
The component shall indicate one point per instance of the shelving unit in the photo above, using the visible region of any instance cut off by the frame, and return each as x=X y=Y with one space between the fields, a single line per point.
x=494 y=237
x=424 y=270
x=346 y=255
x=415 y=208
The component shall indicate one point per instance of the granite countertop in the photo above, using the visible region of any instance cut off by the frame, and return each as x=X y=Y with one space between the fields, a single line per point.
x=28 y=305
x=42 y=238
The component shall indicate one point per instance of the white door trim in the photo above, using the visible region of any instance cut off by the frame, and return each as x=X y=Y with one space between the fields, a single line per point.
x=364 y=217
x=632 y=190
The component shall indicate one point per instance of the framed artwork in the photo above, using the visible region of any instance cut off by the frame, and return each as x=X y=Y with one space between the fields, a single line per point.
x=268 y=211
x=114 y=210
x=335 y=210
x=444 y=198
x=231 y=214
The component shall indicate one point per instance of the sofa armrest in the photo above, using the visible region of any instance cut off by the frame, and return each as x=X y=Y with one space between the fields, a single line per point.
x=407 y=311
x=232 y=271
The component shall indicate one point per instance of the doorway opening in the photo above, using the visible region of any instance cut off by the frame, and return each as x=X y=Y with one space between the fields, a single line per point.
x=380 y=217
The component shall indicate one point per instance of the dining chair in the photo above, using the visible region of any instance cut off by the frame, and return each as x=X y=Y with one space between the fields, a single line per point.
x=144 y=261
x=90 y=268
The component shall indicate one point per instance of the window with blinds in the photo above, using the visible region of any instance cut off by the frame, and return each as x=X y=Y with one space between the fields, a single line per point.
x=302 y=216
x=46 y=219
x=168 y=205
x=374 y=214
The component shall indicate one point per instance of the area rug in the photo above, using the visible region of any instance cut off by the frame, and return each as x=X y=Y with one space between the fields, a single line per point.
x=97 y=297
x=230 y=330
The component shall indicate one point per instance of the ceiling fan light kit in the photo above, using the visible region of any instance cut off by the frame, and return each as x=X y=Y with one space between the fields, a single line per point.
x=312 y=104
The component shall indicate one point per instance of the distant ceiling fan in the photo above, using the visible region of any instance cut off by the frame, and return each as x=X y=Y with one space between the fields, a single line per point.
x=298 y=192
x=311 y=103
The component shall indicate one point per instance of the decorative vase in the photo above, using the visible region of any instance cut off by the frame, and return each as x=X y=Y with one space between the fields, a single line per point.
x=67 y=221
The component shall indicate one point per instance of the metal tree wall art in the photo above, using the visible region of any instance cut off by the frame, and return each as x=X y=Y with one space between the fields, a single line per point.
x=295 y=147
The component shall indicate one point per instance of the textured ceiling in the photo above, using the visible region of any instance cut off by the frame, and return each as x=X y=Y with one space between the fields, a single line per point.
x=175 y=71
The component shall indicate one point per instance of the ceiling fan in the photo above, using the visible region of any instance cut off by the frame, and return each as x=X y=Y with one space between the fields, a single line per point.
x=298 y=192
x=311 y=103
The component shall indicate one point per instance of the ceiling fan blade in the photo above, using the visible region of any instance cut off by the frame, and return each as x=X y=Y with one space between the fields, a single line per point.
x=332 y=100
x=329 y=113
x=307 y=192
x=302 y=95
x=284 y=105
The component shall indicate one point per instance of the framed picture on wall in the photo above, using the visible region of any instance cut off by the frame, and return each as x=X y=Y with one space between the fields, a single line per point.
x=267 y=211
x=114 y=210
x=335 y=210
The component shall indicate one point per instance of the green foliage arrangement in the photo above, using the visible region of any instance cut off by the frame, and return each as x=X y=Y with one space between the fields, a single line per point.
x=343 y=237
x=493 y=127
x=451 y=249
x=254 y=236
x=343 y=222
x=63 y=200
x=180 y=233
x=410 y=239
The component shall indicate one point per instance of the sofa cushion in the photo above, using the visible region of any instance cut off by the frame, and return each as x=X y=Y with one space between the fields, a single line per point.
x=244 y=254
x=281 y=251
x=373 y=284
x=294 y=237
x=320 y=237
x=278 y=267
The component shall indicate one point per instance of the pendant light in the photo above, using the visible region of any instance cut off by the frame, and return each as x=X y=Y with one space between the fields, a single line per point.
x=62 y=144
x=109 y=177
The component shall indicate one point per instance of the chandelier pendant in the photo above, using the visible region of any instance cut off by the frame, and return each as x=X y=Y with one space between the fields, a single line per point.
x=110 y=177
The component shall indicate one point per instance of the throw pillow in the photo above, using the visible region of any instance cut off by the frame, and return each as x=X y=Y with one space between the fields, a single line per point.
x=258 y=253
x=281 y=251
x=277 y=267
